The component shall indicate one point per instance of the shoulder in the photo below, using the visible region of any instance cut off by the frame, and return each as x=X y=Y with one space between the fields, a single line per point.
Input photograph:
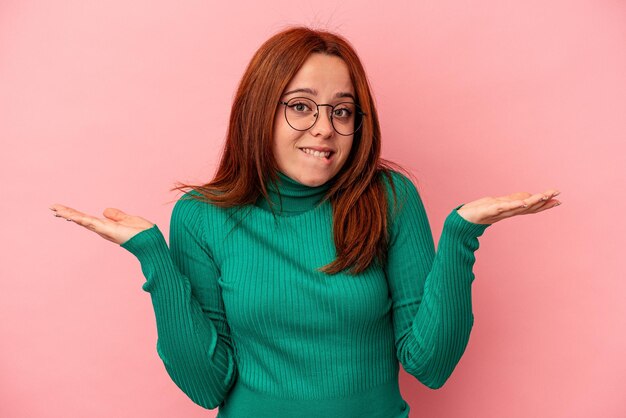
x=193 y=206
x=399 y=188
x=189 y=201
x=405 y=208
x=195 y=201
x=393 y=178
x=188 y=211
x=196 y=209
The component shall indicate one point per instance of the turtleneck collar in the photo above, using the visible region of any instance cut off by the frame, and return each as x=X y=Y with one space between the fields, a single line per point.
x=296 y=197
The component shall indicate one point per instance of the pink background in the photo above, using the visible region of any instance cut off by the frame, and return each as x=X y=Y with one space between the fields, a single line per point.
x=107 y=104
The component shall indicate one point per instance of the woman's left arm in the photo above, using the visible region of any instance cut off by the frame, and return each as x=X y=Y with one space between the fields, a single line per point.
x=431 y=291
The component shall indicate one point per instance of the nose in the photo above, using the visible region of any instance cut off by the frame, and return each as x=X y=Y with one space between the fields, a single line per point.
x=323 y=125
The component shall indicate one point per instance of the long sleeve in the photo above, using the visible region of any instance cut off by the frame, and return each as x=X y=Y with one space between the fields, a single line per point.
x=431 y=292
x=193 y=335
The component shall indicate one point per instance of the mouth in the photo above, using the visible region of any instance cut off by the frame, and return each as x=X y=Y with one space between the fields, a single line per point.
x=327 y=156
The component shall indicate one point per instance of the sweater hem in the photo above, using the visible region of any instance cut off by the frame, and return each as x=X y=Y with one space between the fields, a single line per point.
x=382 y=401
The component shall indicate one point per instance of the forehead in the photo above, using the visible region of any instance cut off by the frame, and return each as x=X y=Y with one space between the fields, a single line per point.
x=323 y=74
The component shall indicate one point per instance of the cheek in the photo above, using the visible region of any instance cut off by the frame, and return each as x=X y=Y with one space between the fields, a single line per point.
x=347 y=148
x=280 y=124
x=283 y=138
x=283 y=143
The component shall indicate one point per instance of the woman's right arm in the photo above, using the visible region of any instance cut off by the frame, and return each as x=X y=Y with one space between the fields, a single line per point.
x=193 y=335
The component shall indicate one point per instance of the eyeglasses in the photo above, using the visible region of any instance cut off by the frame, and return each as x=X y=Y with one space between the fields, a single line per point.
x=301 y=114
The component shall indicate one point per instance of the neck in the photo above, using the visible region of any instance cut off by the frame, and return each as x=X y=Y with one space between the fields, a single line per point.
x=291 y=197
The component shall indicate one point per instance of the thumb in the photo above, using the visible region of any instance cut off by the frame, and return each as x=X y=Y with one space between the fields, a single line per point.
x=519 y=195
x=114 y=214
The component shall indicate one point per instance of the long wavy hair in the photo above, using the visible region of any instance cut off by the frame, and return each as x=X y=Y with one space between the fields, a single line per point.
x=357 y=193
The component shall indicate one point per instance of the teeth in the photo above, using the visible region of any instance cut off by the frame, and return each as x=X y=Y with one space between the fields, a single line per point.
x=316 y=153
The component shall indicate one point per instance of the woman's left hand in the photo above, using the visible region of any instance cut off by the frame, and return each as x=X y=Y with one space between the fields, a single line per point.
x=489 y=210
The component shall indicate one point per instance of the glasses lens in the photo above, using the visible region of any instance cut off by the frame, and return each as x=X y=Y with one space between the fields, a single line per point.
x=301 y=113
x=346 y=118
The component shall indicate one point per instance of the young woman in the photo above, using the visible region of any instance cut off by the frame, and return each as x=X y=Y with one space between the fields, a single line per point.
x=299 y=278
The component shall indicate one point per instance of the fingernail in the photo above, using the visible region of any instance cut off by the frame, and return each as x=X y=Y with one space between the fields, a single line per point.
x=544 y=198
x=557 y=204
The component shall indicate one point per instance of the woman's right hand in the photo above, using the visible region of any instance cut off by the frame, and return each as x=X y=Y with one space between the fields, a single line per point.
x=117 y=227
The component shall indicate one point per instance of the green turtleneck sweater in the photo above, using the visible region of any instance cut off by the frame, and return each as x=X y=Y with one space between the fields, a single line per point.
x=246 y=322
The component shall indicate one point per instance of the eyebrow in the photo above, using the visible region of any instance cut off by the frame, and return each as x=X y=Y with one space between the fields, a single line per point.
x=314 y=92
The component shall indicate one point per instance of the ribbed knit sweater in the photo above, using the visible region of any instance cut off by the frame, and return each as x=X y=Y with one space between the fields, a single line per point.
x=247 y=323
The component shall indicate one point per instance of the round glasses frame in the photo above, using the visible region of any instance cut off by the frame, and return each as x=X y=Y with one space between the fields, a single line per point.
x=332 y=122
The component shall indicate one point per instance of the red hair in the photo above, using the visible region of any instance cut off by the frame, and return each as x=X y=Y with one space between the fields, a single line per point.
x=357 y=193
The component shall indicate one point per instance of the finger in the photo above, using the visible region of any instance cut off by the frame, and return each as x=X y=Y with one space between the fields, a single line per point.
x=507 y=206
x=525 y=204
x=537 y=207
x=80 y=218
x=114 y=214
x=65 y=211
x=541 y=197
x=538 y=199
x=553 y=204
x=508 y=209
x=550 y=193
x=516 y=196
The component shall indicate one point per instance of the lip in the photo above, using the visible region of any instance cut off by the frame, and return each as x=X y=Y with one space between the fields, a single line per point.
x=325 y=161
x=320 y=149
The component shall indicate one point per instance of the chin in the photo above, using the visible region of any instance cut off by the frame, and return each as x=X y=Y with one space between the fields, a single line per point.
x=313 y=182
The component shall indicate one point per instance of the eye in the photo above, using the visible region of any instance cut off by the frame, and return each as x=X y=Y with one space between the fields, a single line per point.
x=300 y=107
x=342 y=112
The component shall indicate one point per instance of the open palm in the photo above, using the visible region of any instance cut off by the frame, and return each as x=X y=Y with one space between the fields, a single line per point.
x=489 y=210
x=117 y=226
